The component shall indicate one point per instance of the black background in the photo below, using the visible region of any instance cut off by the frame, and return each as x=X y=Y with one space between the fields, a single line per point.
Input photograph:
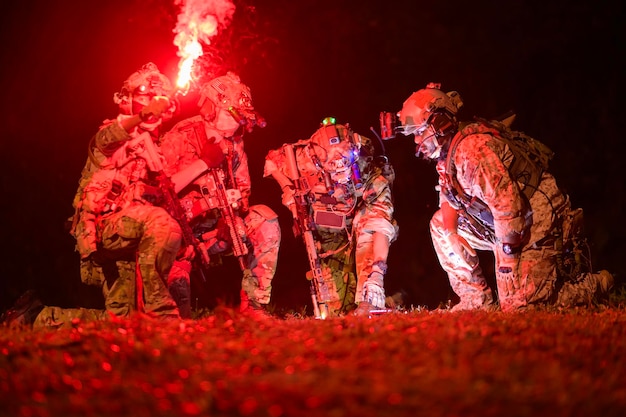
x=558 y=65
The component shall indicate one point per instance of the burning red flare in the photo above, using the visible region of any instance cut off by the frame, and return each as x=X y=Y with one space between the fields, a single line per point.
x=198 y=22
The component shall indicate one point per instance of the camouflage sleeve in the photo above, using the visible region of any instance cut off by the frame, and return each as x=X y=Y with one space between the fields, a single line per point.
x=482 y=174
x=273 y=160
x=241 y=170
x=93 y=195
x=110 y=136
x=377 y=197
x=376 y=214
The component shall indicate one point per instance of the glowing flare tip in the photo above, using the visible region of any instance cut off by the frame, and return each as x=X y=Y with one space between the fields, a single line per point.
x=190 y=53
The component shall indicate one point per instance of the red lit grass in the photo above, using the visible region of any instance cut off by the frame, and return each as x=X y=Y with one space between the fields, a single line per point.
x=401 y=364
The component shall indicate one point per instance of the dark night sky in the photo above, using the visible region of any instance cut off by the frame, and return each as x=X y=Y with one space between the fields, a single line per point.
x=558 y=64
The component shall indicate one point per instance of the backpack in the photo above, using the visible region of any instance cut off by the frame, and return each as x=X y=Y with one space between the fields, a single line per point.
x=530 y=157
x=530 y=161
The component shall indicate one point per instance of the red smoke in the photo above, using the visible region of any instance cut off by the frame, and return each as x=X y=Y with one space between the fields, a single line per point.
x=198 y=22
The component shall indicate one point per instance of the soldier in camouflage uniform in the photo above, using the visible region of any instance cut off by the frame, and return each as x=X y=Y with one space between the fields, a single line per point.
x=215 y=137
x=122 y=238
x=349 y=210
x=490 y=200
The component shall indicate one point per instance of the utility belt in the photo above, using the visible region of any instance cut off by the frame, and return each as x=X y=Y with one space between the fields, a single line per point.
x=474 y=215
x=476 y=226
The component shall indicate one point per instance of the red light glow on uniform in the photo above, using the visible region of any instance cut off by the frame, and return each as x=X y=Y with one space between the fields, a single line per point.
x=198 y=22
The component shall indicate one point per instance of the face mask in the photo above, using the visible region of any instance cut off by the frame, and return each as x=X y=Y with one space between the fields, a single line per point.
x=341 y=176
x=341 y=164
x=224 y=122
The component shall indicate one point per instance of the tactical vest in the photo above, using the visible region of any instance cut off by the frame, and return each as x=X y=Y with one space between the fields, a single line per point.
x=530 y=160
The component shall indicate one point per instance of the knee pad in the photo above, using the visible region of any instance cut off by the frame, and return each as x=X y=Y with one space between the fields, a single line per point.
x=264 y=211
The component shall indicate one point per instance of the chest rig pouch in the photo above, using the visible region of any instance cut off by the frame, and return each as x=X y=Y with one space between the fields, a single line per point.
x=328 y=217
x=329 y=220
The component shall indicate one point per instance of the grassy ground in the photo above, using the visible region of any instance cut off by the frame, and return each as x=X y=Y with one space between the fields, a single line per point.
x=401 y=364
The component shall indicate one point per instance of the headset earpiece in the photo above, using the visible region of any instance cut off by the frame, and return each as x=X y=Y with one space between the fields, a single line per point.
x=442 y=123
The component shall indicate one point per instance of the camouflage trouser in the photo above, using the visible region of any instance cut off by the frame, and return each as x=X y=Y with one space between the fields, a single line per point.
x=120 y=291
x=464 y=272
x=119 y=294
x=351 y=262
x=342 y=266
x=535 y=271
x=263 y=233
x=155 y=237
x=542 y=285
x=57 y=317
x=117 y=280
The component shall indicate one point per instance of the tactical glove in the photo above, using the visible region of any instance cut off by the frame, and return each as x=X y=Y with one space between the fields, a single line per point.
x=373 y=288
x=287 y=196
x=374 y=294
x=460 y=247
x=153 y=110
x=507 y=274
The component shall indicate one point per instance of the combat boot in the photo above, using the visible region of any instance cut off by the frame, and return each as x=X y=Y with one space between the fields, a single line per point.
x=256 y=310
x=364 y=309
x=24 y=311
x=180 y=290
x=253 y=308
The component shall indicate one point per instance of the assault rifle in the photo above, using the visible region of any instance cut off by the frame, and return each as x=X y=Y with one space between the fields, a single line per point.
x=322 y=285
x=216 y=195
x=229 y=200
x=170 y=198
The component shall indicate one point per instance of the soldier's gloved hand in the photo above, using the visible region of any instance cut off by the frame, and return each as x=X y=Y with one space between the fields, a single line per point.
x=153 y=110
x=374 y=290
x=151 y=194
x=460 y=247
x=287 y=196
x=507 y=274
x=374 y=294
x=212 y=154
